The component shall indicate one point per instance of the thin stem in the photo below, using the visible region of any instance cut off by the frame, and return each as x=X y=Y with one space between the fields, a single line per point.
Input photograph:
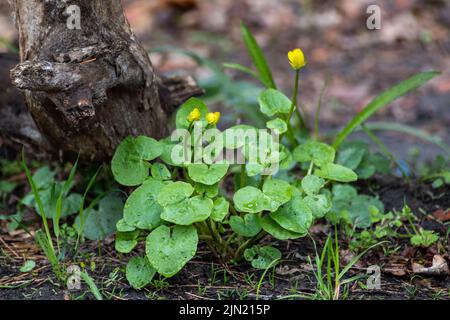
x=240 y=251
x=290 y=133
x=243 y=176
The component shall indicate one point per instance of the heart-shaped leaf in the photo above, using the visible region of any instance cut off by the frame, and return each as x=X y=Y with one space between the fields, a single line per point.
x=276 y=231
x=126 y=241
x=220 y=210
x=262 y=257
x=318 y=152
x=123 y=226
x=278 y=126
x=139 y=272
x=294 y=216
x=188 y=211
x=312 y=184
x=169 y=250
x=186 y=108
x=208 y=175
x=272 y=101
x=336 y=172
x=238 y=136
x=252 y=200
x=319 y=204
x=210 y=191
x=279 y=191
x=174 y=192
x=129 y=164
x=247 y=227
x=102 y=222
x=160 y=172
x=141 y=209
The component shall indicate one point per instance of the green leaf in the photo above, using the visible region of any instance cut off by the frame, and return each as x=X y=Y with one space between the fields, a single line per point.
x=49 y=198
x=205 y=174
x=319 y=204
x=28 y=266
x=382 y=100
x=258 y=58
x=160 y=172
x=44 y=177
x=139 y=272
x=276 y=231
x=351 y=157
x=251 y=200
x=318 y=152
x=294 y=216
x=336 y=172
x=102 y=222
x=247 y=227
x=262 y=257
x=220 y=209
x=123 y=226
x=279 y=191
x=425 y=238
x=186 y=108
x=168 y=250
x=278 y=126
x=188 y=211
x=210 y=191
x=312 y=184
x=174 y=192
x=240 y=67
x=141 y=208
x=344 y=192
x=126 y=241
x=129 y=164
x=238 y=136
x=272 y=102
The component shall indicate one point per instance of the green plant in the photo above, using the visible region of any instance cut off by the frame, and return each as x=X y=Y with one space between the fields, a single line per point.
x=190 y=187
x=54 y=200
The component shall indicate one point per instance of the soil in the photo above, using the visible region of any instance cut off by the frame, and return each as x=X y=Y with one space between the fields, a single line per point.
x=204 y=278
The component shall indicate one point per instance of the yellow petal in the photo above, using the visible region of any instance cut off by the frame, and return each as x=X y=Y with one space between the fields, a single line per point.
x=296 y=59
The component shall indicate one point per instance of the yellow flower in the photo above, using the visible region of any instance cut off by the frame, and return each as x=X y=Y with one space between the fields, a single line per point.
x=194 y=115
x=213 y=117
x=297 y=59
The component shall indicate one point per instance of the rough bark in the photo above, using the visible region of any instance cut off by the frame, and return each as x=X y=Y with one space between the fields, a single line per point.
x=88 y=88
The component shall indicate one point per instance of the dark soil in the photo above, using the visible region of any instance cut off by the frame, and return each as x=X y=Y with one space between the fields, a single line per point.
x=204 y=278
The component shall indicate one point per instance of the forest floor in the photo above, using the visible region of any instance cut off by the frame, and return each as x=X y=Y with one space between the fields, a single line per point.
x=206 y=278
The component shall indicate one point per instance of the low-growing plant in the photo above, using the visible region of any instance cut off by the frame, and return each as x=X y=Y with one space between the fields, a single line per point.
x=232 y=188
x=54 y=200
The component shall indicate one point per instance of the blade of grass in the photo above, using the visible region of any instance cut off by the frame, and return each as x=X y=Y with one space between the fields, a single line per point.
x=382 y=100
x=272 y=264
x=240 y=67
x=38 y=199
x=91 y=284
x=66 y=187
x=258 y=57
x=397 y=127
x=49 y=252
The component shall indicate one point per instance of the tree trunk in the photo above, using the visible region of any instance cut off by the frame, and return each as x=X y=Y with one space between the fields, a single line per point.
x=88 y=88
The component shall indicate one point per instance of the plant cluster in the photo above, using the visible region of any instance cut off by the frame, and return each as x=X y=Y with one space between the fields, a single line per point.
x=232 y=207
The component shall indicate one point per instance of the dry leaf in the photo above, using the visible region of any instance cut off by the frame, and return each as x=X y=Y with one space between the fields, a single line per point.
x=439 y=267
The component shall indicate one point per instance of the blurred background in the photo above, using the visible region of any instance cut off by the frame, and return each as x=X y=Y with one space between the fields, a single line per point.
x=359 y=63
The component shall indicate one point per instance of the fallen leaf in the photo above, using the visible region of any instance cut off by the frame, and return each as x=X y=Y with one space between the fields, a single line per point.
x=442 y=215
x=438 y=268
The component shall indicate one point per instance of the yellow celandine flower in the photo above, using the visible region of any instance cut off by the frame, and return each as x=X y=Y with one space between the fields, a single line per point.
x=194 y=115
x=213 y=117
x=297 y=59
